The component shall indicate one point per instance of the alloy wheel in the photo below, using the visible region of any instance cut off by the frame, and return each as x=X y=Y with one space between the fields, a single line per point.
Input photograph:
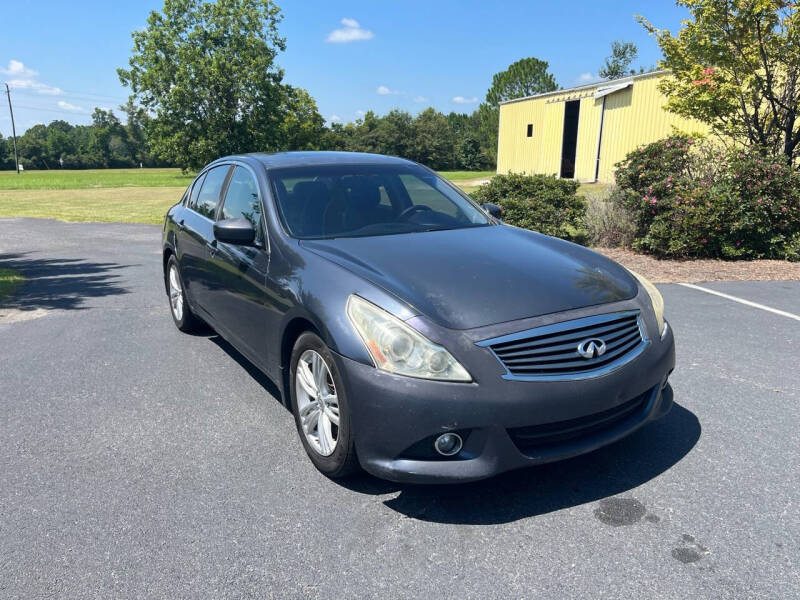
x=317 y=403
x=175 y=293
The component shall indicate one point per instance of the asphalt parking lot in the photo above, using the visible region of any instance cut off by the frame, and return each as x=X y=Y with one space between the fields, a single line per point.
x=136 y=461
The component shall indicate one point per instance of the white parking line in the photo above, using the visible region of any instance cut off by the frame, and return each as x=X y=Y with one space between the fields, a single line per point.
x=743 y=301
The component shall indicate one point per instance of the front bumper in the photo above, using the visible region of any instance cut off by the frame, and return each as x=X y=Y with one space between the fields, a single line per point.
x=391 y=414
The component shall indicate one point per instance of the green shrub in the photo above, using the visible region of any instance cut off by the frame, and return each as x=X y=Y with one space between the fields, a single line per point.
x=543 y=203
x=608 y=222
x=690 y=200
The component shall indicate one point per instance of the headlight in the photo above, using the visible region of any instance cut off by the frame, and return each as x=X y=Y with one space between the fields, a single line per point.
x=399 y=348
x=656 y=299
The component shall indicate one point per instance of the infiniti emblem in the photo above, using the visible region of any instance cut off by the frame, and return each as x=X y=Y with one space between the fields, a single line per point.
x=592 y=348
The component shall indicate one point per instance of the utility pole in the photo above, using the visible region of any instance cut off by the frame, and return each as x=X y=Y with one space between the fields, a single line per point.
x=13 y=127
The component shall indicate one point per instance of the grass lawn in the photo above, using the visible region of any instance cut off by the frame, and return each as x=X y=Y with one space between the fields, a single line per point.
x=456 y=176
x=10 y=280
x=123 y=205
x=590 y=188
x=113 y=195
x=58 y=179
x=468 y=189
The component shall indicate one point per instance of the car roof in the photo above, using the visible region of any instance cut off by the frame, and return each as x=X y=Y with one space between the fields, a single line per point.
x=280 y=160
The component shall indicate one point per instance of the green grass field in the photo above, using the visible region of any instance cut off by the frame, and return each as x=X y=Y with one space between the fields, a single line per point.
x=456 y=176
x=93 y=178
x=112 y=195
x=10 y=280
x=590 y=188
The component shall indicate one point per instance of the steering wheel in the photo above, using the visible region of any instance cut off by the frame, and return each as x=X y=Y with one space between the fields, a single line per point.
x=414 y=209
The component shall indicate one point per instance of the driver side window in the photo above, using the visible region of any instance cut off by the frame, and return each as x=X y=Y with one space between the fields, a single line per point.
x=242 y=201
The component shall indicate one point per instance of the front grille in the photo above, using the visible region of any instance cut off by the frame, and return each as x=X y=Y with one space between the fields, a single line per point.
x=551 y=351
x=537 y=437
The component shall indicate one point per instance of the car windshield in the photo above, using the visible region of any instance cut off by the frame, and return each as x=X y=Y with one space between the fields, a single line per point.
x=328 y=201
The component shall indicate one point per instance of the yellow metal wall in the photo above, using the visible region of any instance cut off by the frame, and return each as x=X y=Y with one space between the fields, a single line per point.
x=633 y=116
x=550 y=138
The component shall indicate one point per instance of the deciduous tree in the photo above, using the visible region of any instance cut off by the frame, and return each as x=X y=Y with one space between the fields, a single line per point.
x=207 y=72
x=736 y=66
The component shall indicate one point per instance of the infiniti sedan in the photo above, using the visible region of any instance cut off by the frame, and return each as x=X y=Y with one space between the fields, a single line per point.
x=411 y=332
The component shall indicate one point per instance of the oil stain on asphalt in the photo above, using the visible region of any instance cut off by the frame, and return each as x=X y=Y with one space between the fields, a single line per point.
x=618 y=512
x=689 y=551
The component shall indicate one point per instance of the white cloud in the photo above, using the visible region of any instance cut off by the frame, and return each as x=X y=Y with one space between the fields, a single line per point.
x=360 y=113
x=385 y=91
x=25 y=78
x=68 y=106
x=18 y=69
x=463 y=100
x=38 y=86
x=351 y=32
x=420 y=99
x=585 y=78
x=334 y=119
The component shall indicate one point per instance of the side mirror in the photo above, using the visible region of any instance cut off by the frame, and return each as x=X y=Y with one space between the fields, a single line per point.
x=493 y=209
x=235 y=231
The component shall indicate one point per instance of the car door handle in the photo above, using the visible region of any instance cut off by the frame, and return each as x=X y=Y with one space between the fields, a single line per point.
x=181 y=226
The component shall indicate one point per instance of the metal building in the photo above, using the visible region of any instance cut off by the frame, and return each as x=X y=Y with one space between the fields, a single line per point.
x=582 y=132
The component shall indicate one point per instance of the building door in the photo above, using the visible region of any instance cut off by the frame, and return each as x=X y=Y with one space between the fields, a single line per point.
x=569 y=143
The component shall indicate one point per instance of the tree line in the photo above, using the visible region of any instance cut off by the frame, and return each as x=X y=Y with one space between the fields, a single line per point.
x=106 y=143
x=441 y=141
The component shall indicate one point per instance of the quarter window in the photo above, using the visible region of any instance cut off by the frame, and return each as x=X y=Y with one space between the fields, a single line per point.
x=241 y=200
x=208 y=197
x=198 y=183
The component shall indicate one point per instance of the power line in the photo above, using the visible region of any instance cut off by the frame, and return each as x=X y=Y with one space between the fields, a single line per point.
x=54 y=110
x=82 y=95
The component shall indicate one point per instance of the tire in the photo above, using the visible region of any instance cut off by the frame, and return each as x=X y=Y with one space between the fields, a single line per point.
x=317 y=428
x=176 y=293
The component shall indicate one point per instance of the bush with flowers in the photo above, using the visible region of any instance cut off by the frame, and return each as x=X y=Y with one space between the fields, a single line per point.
x=690 y=199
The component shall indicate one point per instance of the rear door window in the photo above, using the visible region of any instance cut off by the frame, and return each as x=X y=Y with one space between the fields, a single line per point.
x=208 y=197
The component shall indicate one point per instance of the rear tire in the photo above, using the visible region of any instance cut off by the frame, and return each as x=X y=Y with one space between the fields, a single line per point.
x=179 y=308
x=320 y=407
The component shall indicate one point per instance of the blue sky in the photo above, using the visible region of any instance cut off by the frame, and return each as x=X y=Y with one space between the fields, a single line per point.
x=352 y=56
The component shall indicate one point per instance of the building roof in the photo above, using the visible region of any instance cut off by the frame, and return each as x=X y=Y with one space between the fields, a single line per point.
x=588 y=86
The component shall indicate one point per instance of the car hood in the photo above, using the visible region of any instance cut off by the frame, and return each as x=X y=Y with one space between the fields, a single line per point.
x=466 y=278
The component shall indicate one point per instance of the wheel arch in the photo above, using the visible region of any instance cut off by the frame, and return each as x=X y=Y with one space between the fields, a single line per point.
x=168 y=252
x=294 y=328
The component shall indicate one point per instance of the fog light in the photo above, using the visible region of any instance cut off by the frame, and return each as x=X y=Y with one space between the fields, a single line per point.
x=448 y=444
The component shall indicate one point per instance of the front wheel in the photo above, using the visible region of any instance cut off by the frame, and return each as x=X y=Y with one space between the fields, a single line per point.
x=320 y=407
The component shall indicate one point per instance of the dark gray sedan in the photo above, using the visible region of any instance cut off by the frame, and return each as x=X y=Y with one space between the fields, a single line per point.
x=412 y=333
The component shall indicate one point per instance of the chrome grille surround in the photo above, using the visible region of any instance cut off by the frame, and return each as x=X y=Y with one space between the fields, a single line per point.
x=550 y=352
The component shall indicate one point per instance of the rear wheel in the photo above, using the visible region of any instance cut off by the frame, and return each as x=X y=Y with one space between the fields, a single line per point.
x=179 y=308
x=320 y=408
